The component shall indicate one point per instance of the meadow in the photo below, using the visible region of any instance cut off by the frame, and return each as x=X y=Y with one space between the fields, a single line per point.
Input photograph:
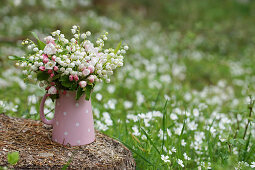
x=184 y=98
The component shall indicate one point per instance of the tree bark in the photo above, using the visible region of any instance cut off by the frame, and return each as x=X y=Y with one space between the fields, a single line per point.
x=32 y=139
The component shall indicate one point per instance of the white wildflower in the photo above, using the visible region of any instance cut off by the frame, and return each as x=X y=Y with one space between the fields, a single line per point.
x=180 y=162
x=165 y=158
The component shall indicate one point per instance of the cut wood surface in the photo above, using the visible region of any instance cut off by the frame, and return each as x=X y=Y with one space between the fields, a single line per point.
x=32 y=139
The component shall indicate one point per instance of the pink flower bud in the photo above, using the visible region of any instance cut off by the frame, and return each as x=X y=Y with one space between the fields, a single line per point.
x=47 y=88
x=49 y=39
x=71 y=77
x=50 y=71
x=52 y=83
x=42 y=68
x=64 y=92
x=44 y=55
x=91 y=68
x=91 y=78
x=85 y=72
x=83 y=68
x=51 y=75
x=76 y=78
x=45 y=60
x=83 y=84
x=52 y=90
x=55 y=68
x=54 y=58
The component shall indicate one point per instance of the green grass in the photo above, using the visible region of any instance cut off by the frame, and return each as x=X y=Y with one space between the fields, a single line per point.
x=188 y=76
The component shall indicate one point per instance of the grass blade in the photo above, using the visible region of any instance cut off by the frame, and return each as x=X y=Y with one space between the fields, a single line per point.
x=164 y=125
x=148 y=137
x=246 y=147
x=134 y=151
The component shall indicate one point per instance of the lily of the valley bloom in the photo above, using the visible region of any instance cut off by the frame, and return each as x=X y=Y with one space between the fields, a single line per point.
x=50 y=65
x=71 y=63
x=50 y=49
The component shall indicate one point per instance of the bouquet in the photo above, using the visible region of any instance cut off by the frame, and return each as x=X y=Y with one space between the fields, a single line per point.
x=64 y=65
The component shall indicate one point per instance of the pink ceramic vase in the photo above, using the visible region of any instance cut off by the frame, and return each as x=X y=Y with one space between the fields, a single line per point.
x=73 y=120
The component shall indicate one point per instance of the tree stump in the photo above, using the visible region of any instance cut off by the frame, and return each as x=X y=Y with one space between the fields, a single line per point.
x=32 y=139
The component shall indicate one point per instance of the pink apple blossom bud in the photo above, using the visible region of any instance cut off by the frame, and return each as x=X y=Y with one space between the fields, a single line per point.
x=50 y=71
x=55 y=68
x=52 y=83
x=91 y=78
x=83 y=68
x=53 y=58
x=83 y=84
x=51 y=75
x=45 y=60
x=76 y=78
x=91 y=68
x=71 y=77
x=85 y=72
x=52 y=90
x=42 y=68
x=49 y=39
x=47 y=88
x=44 y=55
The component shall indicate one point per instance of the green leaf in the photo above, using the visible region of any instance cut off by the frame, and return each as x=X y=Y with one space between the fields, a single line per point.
x=56 y=77
x=117 y=48
x=41 y=44
x=64 y=78
x=54 y=97
x=13 y=158
x=232 y=141
x=41 y=75
x=17 y=58
x=67 y=84
x=66 y=165
x=79 y=93
x=88 y=92
x=74 y=86
x=241 y=141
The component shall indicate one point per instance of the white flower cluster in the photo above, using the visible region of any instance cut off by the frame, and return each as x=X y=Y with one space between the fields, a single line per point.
x=78 y=58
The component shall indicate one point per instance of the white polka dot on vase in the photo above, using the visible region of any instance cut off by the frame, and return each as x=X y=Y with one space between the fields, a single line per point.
x=58 y=103
x=64 y=113
x=56 y=140
x=88 y=130
x=67 y=94
x=57 y=123
x=77 y=124
x=66 y=133
x=86 y=111
x=77 y=104
x=78 y=141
